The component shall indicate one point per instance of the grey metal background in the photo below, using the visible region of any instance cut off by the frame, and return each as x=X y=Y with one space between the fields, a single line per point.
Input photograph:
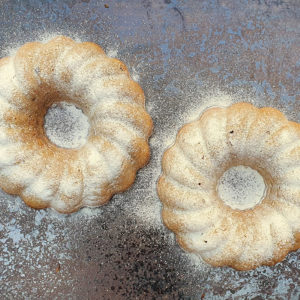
x=180 y=52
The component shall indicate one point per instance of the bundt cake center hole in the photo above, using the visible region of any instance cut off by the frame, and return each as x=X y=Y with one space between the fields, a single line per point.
x=66 y=125
x=241 y=187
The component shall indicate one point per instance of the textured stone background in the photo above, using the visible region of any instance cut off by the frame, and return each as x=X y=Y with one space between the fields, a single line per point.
x=182 y=53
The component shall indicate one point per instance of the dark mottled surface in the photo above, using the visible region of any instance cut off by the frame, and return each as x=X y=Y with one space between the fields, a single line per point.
x=180 y=52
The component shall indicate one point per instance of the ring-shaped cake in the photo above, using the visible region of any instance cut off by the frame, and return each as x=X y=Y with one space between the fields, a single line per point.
x=221 y=139
x=41 y=75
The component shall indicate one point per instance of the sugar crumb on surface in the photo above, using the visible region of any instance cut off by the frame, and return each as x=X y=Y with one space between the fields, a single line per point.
x=66 y=125
x=241 y=187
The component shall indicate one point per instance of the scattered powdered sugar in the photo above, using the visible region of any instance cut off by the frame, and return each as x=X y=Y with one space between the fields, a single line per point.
x=90 y=211
x=36 y=236
x=112 y=53
x=135 y=75
x=195 y=262
x=66 y=125
x=43 y=37
x=216 y=99
x=241 y=187
x=7 y=81
x=148 y=211
x=47 y=37
x=146 y=207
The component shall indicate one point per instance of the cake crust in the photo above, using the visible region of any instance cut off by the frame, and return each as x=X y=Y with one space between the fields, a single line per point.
x=45 y=175
x=262 y=139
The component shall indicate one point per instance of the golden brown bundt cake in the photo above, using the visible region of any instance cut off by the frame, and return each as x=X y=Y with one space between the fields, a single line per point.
x=230 y=186
x=64 y=73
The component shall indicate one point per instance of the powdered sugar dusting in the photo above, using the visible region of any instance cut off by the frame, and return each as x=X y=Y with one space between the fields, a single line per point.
x=219 y=137
x=148 y=211
x=86 y=78
x=241 y=187
x=179 y=44
x=216 y=99
x=66 y=125
x=112 y=53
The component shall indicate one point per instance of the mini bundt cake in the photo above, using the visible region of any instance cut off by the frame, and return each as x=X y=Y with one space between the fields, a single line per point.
x=62 y=71
x=228 y=146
